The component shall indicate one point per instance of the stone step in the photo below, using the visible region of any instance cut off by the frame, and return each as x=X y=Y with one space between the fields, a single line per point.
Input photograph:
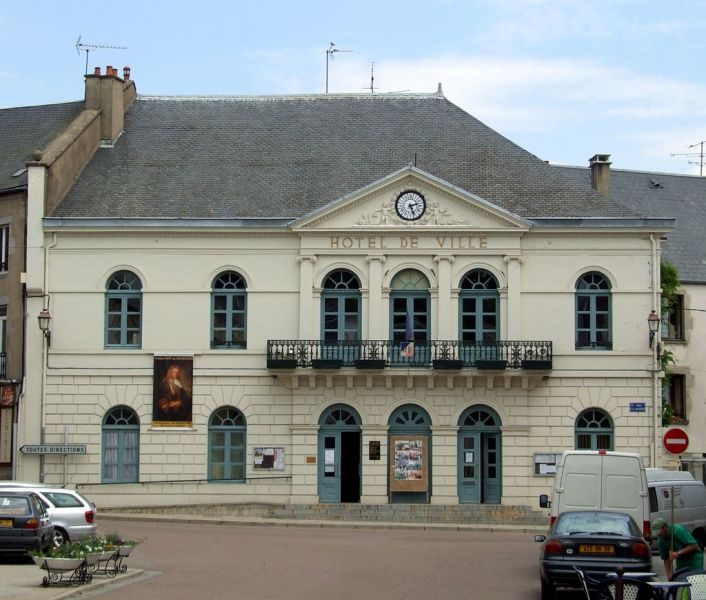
x=468 y=513
x=492 y=514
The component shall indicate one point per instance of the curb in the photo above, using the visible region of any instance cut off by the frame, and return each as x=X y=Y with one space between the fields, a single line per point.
x=319 y=523
x=96 y=585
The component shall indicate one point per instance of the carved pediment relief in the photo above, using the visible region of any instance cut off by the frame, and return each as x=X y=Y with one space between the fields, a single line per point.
x=435 y=214
x=377 y=206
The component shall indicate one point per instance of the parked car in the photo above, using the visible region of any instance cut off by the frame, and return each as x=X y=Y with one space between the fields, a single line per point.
x=24 y=522
x=597 y=542
x=72 y=515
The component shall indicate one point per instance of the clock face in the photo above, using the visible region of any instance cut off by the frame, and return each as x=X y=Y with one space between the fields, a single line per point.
x=410 y=205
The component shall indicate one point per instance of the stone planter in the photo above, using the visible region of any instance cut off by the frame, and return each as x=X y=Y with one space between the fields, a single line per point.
x=61 y=564
x=125 y=550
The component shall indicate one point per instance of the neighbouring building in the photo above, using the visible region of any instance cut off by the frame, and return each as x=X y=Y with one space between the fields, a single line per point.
x=683 y=330
x=329 y=298
x=24 y=131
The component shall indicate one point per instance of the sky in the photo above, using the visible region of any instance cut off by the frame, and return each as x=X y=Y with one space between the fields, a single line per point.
x=564 y=79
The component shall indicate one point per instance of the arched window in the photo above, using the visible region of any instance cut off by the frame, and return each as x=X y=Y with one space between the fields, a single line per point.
x=593 y=312
x=594 y=430
x=409 y=307
x=121 y=446
x=123 y=310
x=340 y=307
x=226 y=445
x=340 y=415
x=229 y=311
x=479 y=307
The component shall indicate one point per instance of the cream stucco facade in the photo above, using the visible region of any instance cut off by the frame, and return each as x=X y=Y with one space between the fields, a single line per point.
x=536 y=267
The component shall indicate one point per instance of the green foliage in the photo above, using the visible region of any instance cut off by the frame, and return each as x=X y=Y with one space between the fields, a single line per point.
x=666 y=358
x=667 y=414
x=669 y=282
x=89 y=545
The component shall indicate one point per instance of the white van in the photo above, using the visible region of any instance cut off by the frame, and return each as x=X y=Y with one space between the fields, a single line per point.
x=600 y=480
x=678 y=490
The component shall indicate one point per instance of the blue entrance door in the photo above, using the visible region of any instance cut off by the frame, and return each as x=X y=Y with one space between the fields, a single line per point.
x=470 y=468
x=330 y=466
x=479 y=456
x=339 y=459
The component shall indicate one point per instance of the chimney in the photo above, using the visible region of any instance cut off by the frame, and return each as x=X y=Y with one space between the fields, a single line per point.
x=600 y=173
x=107 y=94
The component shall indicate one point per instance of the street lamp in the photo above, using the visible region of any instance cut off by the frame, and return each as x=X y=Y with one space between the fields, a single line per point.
x=44 y=319
x=653 y=322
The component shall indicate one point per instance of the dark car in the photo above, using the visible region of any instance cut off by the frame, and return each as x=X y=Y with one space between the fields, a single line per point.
x=597 y=542
x=24 y=523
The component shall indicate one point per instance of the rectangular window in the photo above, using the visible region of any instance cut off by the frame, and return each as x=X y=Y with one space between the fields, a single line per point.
x=3 y=328
x=674 y=396
x=673 y=320
x=4 y=247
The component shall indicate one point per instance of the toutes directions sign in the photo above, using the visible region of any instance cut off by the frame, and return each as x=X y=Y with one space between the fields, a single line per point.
x=54 y=449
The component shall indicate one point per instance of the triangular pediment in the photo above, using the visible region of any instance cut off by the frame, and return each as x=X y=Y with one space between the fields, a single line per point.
x=445 y=207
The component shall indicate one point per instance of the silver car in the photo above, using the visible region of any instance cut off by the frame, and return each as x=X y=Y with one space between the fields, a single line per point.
x=72 y=515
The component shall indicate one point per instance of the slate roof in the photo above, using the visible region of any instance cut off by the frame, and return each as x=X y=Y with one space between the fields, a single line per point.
x=682 y=197
x=285 y=156
x=26 y=129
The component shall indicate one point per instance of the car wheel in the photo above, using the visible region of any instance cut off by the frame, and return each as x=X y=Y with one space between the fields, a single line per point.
x=60 y=537
x=547 y=590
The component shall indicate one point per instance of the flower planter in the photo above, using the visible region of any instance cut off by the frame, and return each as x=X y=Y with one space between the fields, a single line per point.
x=125 y=550
x=62 y=564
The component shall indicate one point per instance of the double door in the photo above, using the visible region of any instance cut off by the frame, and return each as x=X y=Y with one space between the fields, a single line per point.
x=339 y=461
x=479 y=477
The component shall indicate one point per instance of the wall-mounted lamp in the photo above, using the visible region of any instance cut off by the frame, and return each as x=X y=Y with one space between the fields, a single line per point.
x=44 y=319
x=653 y=322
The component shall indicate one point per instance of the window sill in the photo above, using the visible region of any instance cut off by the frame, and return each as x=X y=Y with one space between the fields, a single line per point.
x=675 y=421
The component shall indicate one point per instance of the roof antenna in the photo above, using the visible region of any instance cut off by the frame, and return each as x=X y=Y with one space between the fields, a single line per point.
x=332 y=48
x=372 y=87
x=89 y=47
x=700 y=154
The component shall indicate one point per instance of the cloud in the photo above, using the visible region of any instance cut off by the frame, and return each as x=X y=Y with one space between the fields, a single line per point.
x=523 y=92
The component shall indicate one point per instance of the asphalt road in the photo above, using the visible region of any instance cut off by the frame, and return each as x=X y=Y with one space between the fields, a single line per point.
x=189 y=561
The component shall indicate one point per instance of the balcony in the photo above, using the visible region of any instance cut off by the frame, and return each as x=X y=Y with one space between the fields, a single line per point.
x=380 y=354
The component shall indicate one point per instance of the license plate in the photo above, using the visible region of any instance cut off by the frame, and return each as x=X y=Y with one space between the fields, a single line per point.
x=5 y=522
x=596 y=549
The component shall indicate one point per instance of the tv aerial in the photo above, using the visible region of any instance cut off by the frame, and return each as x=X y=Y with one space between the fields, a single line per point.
x=329 y=53
x=699 y=154
x=90 y=47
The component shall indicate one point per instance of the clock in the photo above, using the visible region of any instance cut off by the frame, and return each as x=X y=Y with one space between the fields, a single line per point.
x=410 y=205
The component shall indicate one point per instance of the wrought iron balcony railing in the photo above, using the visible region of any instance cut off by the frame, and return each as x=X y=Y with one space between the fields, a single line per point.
x=379 y=354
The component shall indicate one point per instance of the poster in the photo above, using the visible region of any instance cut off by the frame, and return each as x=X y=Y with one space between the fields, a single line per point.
x=7 y=395
x=172 y=397
x=409 y=464
x=268 y=458
x=408 y=460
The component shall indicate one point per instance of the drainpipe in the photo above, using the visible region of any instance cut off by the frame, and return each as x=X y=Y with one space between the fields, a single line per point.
x=45 y=355
x=656 y=382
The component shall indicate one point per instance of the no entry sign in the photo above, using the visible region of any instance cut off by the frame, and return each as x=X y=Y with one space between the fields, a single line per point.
x=675 y=440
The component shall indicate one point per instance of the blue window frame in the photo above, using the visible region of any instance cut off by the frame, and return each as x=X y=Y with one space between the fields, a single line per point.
x=229 y=311
x=121 y=446
x=409 y=299
x=594 y=430
x=340 y=307
x=226 y=445
x=123 y=311
x=593 y=312
x=479 y=307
